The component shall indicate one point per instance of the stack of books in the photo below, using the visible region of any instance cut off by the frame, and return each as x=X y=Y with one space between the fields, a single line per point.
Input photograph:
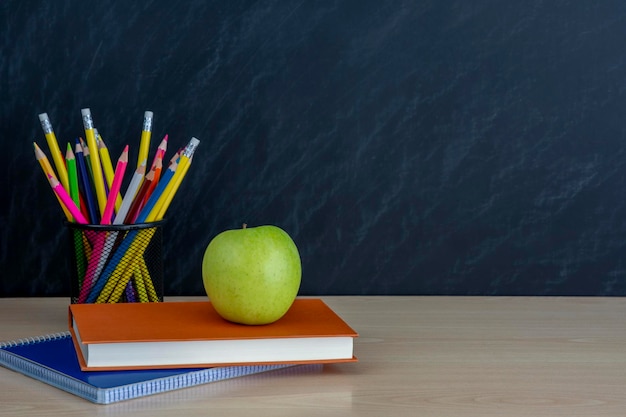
x=115 y=352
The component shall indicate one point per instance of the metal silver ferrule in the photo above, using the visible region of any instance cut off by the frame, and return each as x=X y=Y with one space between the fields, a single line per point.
x=191 y=147
x=147 y=123
x=87 y=121
x=46 y=125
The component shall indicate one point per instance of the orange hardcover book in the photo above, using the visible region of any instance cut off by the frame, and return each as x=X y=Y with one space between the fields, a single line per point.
x=192 y=334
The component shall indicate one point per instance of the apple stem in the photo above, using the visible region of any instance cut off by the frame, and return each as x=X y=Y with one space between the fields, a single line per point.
x=245 y=225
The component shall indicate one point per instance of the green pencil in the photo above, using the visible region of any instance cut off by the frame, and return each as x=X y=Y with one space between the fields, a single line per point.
x=72 y=173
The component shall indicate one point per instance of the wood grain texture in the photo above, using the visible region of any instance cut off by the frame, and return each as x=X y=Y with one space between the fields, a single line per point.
x=426 y=356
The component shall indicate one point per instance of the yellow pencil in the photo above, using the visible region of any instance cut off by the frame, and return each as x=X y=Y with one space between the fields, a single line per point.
x=53 y=145
x=48 y=171
x=94 y=157
x=107 y=166
x=166 y=197
x=176 y=181
x=152 y=294
x=146 y=133
x=140 y=284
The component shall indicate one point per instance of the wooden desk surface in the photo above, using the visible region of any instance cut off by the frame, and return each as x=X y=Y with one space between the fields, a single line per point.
x=418 y=356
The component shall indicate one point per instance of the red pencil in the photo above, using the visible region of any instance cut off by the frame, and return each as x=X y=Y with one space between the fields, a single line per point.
x=160 y=153
x=156 y=169
x=135 y=207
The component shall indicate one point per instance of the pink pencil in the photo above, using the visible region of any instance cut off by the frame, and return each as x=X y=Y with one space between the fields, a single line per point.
x=66 y=200
x=116 y=184
x=93 y=269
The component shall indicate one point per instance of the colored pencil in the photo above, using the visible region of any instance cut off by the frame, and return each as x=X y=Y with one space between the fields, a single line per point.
x=83 y=178
x=115 y=288
x=96 y=166
x=67 y=200
x=146 y=133
x=156 y=175
x=172 y=185
x=129 y=195
x=53 y=145
x=157 y=165
x=135 y=207
x=70 y=161
x=176 y=156
x=131 y=192
x=185 y=162
x=47 y=170
x=152 y=294
x=87 y=156
x=94 y=265
x=158 y=191
x=130 y=291
x=72 y=175
x=43 y=160
x=107 y=167
x=160 y=152
x=120 y=168
x=105 y=241
x=83 y=204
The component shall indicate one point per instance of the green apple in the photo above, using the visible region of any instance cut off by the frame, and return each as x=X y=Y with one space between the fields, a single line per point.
x=252 y=275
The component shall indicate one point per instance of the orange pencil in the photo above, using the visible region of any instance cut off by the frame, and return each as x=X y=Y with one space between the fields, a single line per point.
x=156 y=169
x=160 y=153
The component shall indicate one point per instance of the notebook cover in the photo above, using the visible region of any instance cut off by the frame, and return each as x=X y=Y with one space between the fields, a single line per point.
x=52 y=359
x=196 y=320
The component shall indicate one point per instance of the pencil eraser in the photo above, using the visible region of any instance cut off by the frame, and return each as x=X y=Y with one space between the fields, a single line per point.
x=43 y=116
x=194 y=142
x=148 y=113
x=85 y=112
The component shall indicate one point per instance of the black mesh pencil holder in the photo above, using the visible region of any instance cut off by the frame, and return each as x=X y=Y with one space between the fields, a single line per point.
x=116 y=263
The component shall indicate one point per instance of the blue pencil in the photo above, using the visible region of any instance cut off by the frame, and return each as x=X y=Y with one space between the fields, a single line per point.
x=154 y=197
x=85 y=183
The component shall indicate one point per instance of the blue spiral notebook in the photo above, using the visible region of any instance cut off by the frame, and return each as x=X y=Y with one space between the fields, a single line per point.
x=52 y=359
